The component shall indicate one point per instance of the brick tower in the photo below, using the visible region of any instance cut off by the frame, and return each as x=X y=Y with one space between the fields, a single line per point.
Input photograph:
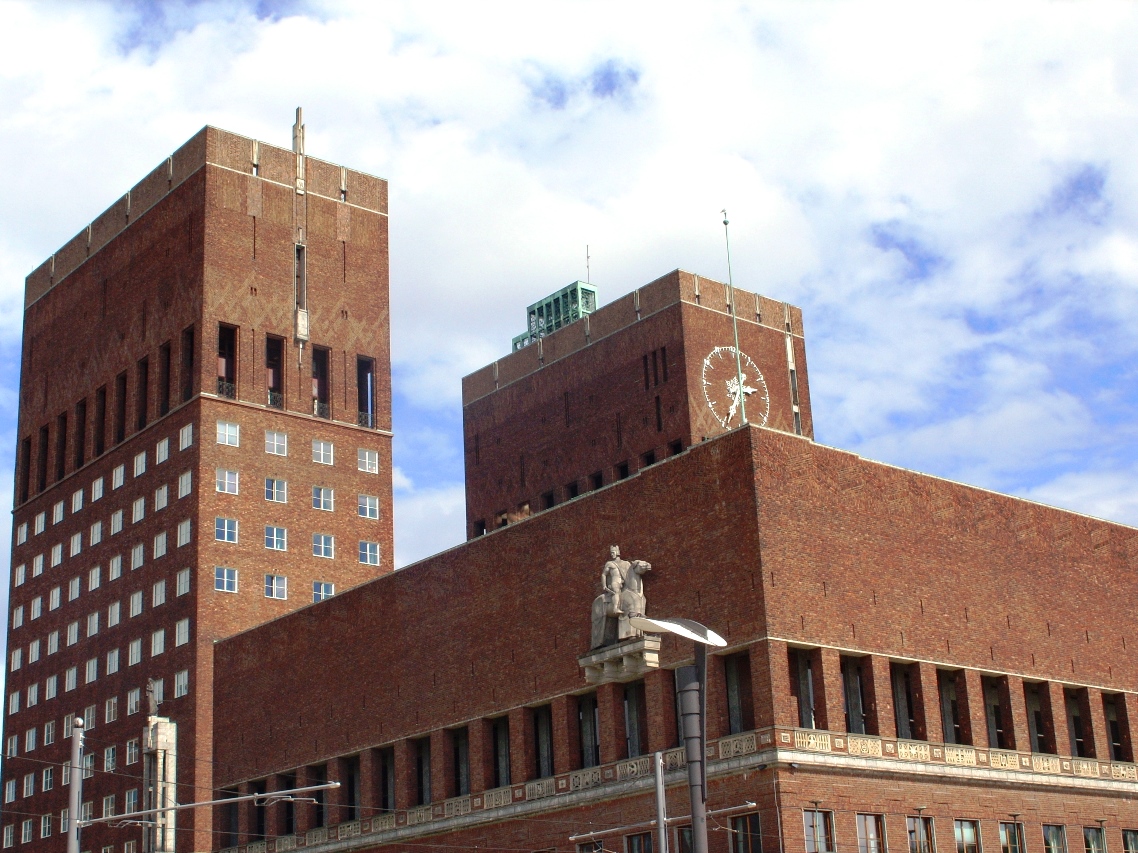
x=204 y=445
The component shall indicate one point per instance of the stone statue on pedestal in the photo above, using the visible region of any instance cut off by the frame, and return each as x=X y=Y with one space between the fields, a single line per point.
x=622 y=597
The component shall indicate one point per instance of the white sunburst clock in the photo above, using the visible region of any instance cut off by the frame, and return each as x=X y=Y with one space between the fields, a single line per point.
x=721 y=388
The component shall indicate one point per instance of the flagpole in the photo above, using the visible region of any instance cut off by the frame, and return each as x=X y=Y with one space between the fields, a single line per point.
x=742 y=398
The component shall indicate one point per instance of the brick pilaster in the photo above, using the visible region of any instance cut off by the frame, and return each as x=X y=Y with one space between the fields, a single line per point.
x=828 y=700
x=660 y=699
x=610 y=704
x=926 y=698
x=878 y=689
x=566 y=735
x=970 y=701
x=1012 y=697
x=523 y=762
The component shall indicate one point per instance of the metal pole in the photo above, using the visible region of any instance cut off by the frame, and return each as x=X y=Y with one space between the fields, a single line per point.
x=735 y=327
x=75 y=792
x=661 y=805
x=689 y=689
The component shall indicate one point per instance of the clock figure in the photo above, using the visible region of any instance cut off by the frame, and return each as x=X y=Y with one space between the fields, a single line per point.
x=722 y=389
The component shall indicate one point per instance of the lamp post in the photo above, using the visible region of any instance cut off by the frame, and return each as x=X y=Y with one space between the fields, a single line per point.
x=691 y=695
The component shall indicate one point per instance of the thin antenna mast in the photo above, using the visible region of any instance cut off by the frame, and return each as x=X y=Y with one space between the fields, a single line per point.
x=739 y=395
x=588 y=272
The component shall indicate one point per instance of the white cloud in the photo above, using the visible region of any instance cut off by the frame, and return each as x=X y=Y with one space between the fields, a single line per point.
x=428 y=521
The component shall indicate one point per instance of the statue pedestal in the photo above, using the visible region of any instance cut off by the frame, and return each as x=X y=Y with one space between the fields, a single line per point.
x=624 y=661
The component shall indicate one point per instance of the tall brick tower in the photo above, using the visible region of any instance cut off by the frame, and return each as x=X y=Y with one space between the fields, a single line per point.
x=204 y=445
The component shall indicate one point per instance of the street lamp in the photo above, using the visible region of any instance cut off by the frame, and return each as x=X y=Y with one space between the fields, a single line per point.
x=692 y=698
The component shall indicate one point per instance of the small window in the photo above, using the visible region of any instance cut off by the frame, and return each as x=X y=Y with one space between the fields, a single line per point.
x=95 y=535
x=76 y=544
x=967 y=836
x=92 y=672
x=321 y=451
x=367 y=461
x=114 y=614
x=322 y=498
x=276 y=490
x=1011 y=837
x=276 y=538
x=369 y=553
x=110 y=714
x=870 y=833
x=93 y=623
x=183 y=533
x=134 y=654
x=57 y=513
x=39 y=523
x=323 y=545
x=116 y=522
x=37 y=607
x=135 y=603
x=368 y=506
x=74 y=587
x=185 y=483
x=132 y=750
x=276 y=586
x=138 y=510
x=137 y=554
x=112 y=662
x=1094 y=840
x=185 y=436
x=22 y=533
x=56 y=555
x=161 y=497
x=72 y=633
x=21 y=575
x=158 y=642
x=181 y=632
x=322 y=590
x=53 y=642
x=140 y=464
x=225 y=580
x=53 y=599
x=183 y=582
x=276 y=443
x=160 y=545
x=226 y=481
x=158 y=596
x=133 y=703
x=819 y=827
x=77 y=501
x=37 y=565
x=225 y=529
x=181 y=683
x=97 y=490
x=17 y=616
x=117 y=477
x=228 y=433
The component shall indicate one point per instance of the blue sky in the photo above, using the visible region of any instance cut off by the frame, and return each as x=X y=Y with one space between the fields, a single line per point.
x=948 y=190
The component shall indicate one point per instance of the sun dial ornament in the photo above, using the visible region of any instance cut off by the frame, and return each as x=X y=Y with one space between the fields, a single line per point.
x=721 y=388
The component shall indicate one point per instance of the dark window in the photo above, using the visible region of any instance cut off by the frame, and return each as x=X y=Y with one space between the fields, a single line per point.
x=676 y=447
x=548 y=500
x=422 y=771
x=967 y=836
x=460 y=743
x=365 y=391
x=1130 y=841
x=921 y=836
x=259 y=821
x=543 y=741
x=622 y=470
x=802 y=681
x=60 y=446
x=819 y=831
x=500 y=746
x=740 y=706
x=80 y=433
x=100 y=420
x=589 y=725
x=227 y=361
x=596 y=480
x=853 y=694
x=164 y=379
x=664 y=362
x=321 y=372
x=870 y=833
x=1094 y=840
x=25 y=469
x=501 y=518
x=904 y=712
x=746 y=833
x=1037 y=731
x=120 y=408
x=301 y=274
x=187 y=364
x=995 y=713
x=288 y=782
x=274 y=371
x=639 y=843
x=41 y=459
x=1076 y=723
x=951 y=720
x=1110 y=706
x=635 y=719
x=479 y=528
x=229 y=820
x=351 y=789
x=1011 y=837
x=387 y=779
x=318 y=776
x=1054 y=839
x=143 y=389
x=572 y=490
x=648 y=458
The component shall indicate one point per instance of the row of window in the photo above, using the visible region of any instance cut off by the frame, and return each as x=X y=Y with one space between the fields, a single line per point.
x=94 y=575
x=276 y=491
x=276 y=444
x=276 y=539
x=276 y=586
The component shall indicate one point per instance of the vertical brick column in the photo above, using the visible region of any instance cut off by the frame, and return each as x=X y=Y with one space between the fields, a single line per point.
x=1012 y=698
x=770 y=685
x=481 y=746
x=828 y=689
x=717 y=721
x=926 y=698
x=405 y=783
x=369 y=782
x=275 y=814
x=305 y=812
x=245 y=819
x=1094 y=723
x=566 y=735
x=335 y=799
x=878 y=689
x=442 y=766
x=660 y=699
x=610 y=707
x=1127 y=705
x=523 y=761
x=1055 y=718
x=970 y=701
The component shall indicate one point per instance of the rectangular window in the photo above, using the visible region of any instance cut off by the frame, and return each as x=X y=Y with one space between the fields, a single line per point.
x=33 y=651
x=819 y=831
x=228 y=433
x=183 y=533
x=116 y=522
x=10 y=791
x=132 y=750
x=17 y=660
x=30 y=739
x=323 y=545
x=639 y=843
x=589 y=725
x=137 y=554
x=740 y=706
x=70 y=679
x=276 y=586
x=112 y=662
x=17 y=616
x=1129 y=841
x=27 y=831
x=92 y=670
x=36 y=607
x=114 y=568
x=276 y=443
x=92 y=623
x=37 y=565
x=181 y=683
x=321 y=386
x=226 y=481
x=276 y=490
x=188 y=369
x=114 y=614
x=143 y=396
x=109 y=805
x=53 y=598
x=76 y=501
x=94 y=577
x=1094 y=840
x=40 y=523
x=51 y=688
x=967 y=836
x=76 y=544
x=904 y=706
x=367 y=461
x=999 y=732
x=22 y=533
x=133 y=702
x=53 y=642
x=225 y=529
x=368 y=506
x=161 y=498
x=48 y=779
x=111 y=753
x=274 y=371
x=227 y=361
x=1077 y=722
x=635 y=719
x=321 y=451
x=97 y=490
x=56 y=555
x=543 y=741
x=160 y=545
x=322 y=590
x=276 y=538
x=45 y=826
x=921 y=836
x=21 y=575
x=225 y=580
x=158 y=597
x=162 y=451
x=134 y=653
x=74 y=587
x=185 y=483
x=365 y=392
x=369 y=553
x=118 y=476
x=422 y=748
x=322 y=498
x=186 y=437
x=138 y=510
x=158 y=642
x=135 y=603
x=181 y=632
x=183 y=582
x=140 y=464
x=130 y=801
x=1011 y=837
x=33 y=695
x=95 y=534
x=871 y=833
x=10 y=835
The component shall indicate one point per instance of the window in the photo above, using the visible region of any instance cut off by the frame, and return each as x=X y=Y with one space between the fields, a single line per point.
x=921 y=836
x=132 y=751
x=161 y=498
x=114 y=568
x=276 y=586
x=1129 y=841
x=819 y=831
x=92 y=670
x=30 y=739
x=27 y=831
x=57 y=513
x=49 y=733
x=17 y=616
x=33 y=695
x=116 y=522
x=276 y=538
x=158 y=642
x=22 y=533
x=185 y=436
x=45 y=826
x=97 y=490
x=160 y=545
x=322 y=451
x=588 y=722
x=51 y=687
x=322 y=498
x=225 y=580
x=226 y=481
x=138 y=510
x=13 y=747
x=112 y=662
x=183 y=533
x=68 y=727
x=133 y=700
x=70 y=679
x=737 y=678
x=10 y=791
x=369 y=553
x=53 y=598
x=323 y=545
x=10 y=835
x=368 y=506
x=73 y=633
x=21 y=575
x=185 y=483
x=134 y=653
x=183 y=582
x=1011 y=837
x=225 y=529
x=109 y=805
x=967 y=836
x=871 y=833
x=36 y=608
x=74 y=587
x=322 y=590
x=140 y=464
x=181 y=632
x=228 y=433
x=159 y=690
x=181 y=683
x=95 y=535
x=367 y=461
x=33 y=651
x=110 y=759
x=130 y=801
x=114 y=614
x=39 y=523
x=17 y=660
x=135 y=603
x=76 y=544
x=639 y=843
x=56 y=555
x=53 y=642
x=276 y=490
x=276 y=443
x=158 y=596
x=47 y=780
x=92 y=623
x=77 y=501
x=1093 y=839
x=137 y=555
